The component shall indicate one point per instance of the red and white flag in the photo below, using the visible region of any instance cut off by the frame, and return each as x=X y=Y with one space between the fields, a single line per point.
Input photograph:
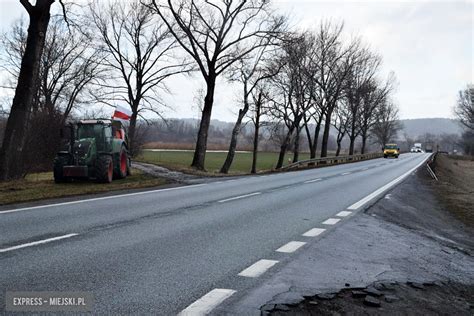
x=122 y=113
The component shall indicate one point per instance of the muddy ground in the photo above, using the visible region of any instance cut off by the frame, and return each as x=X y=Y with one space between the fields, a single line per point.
x=390 y=298
x=456 y=186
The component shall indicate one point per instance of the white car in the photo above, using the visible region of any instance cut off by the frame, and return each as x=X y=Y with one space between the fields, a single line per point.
x=416 y=150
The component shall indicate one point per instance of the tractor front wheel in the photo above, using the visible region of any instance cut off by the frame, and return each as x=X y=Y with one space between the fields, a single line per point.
x=59 y=163
x=104 y=169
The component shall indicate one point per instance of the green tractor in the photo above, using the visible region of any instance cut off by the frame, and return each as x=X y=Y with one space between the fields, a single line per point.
x=94 y=149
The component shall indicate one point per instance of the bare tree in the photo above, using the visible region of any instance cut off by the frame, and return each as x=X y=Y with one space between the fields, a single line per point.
x=342 y=122
x=258 y=111
x=464 y=108
x=139 y=56
x=250 y=71
x=216 y=34
x=334 y=64
x=314 y=115
x=386 y=125
x=11 y=163
x=68 y=66
x=356 y=90
x=374 y=97
x=290 y=97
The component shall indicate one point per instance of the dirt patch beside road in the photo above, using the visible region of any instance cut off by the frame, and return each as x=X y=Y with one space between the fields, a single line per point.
x=455 y=187
x=390 y=298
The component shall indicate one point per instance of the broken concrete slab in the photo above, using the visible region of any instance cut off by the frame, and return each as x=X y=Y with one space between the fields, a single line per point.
x=371 y=301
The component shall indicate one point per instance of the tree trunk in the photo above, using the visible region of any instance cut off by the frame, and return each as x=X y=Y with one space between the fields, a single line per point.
x=317 y=129
x=256 y=135
x=233 y=141
x=201 y=143
x=338 y=150
x=308 y=136
x=364 y=142
x=132 y=146
x=351 y=145
x=255 y=149
x=327 y=126
x=283 y=147
x=296 y=150
x=11 y=160
x=339 y=138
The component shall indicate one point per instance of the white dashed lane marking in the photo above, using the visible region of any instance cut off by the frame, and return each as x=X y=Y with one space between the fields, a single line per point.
x=290 y=247
x=207 y=303
x=314 y=180
x=314 y=232
x=331 y=221
x=344 y=213
x=240 y=197
x=117 y=196
x=258 y=268
x=35 y=243
x=345 y=173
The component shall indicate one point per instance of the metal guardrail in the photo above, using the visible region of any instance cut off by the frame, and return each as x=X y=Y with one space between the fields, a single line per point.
x=431 y=165
x=326 y=161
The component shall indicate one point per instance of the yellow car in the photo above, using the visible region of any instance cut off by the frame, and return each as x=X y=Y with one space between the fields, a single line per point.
x=391 y=150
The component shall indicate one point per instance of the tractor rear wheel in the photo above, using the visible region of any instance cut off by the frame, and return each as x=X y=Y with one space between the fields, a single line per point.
x=122 y=164
x=104 y=169
x=59 y=163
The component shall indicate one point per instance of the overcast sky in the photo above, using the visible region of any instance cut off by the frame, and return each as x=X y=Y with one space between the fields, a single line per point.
x=428 y=44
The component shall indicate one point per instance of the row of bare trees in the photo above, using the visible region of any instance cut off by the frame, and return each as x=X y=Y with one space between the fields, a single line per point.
x=464 y=110
x=316 y=82
x=301 y=83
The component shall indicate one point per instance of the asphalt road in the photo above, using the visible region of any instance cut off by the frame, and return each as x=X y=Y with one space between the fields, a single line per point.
x=160 y=251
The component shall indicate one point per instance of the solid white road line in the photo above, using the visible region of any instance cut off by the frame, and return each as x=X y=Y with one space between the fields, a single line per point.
x=314 y=180
x=331 y=221
x=345 y=173
x=100 y=198
x=344 y=213
x=290 y=247
x=314 y=232
x=384 y=188
x=239 y=197
x=35 y=243
x=258 y=268
x=207 y=303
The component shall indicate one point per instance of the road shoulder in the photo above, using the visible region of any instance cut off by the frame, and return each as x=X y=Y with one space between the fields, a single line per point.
x=405 y=237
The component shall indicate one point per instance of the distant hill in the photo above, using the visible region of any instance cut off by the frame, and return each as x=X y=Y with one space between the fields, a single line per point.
x=437 y=126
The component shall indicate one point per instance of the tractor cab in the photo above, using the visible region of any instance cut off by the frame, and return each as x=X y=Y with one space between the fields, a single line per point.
x=98 y=131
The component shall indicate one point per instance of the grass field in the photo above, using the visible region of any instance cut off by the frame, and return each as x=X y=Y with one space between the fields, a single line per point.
x=181 y=160
x=39 y=186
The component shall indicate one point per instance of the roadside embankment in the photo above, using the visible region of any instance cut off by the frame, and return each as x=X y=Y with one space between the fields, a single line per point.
x=455 y=187
x=39 y=186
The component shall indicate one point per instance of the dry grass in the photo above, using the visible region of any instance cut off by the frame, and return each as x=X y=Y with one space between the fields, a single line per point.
x=181 y=161
x=191 y=146
x=456 y=186
x=40 y=186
